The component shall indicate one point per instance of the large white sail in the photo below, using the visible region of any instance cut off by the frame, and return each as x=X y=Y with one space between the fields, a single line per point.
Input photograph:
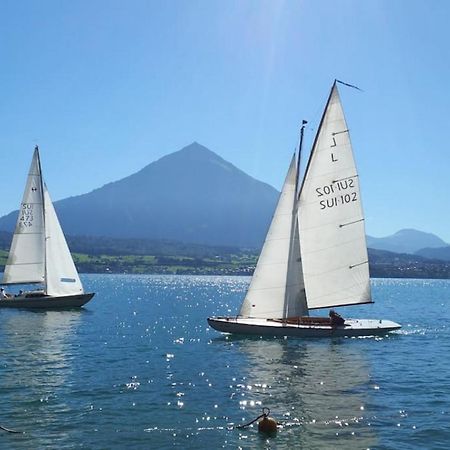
x=295 y=295
x=26 y=259
x=276 y=289
x=61 y=275
x=331 y=221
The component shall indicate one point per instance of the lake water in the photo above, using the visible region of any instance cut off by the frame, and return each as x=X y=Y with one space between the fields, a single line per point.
x=139 y=368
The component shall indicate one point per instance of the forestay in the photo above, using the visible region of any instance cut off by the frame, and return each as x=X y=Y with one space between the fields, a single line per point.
x=26 y=261
x=276 y=289
x=332 y=235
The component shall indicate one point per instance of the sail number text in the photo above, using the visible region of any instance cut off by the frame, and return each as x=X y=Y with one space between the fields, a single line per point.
x=26 y=215
x=337 y=193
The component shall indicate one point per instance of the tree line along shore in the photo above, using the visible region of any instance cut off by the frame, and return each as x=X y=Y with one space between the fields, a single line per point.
x=237 y=262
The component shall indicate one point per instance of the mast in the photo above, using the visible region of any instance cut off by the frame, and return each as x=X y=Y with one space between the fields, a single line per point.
x=41 y=187
x=317 y=136
x=295 y=306
x=300 y=146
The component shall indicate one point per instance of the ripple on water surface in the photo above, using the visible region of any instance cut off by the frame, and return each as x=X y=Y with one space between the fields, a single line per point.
x=140 y=368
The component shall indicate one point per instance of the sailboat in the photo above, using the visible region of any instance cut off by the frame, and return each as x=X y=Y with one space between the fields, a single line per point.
x=315 y=253
x=39 y=253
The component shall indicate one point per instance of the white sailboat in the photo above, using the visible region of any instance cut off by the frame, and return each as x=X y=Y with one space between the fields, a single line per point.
x=39 y=253
x=315 y=253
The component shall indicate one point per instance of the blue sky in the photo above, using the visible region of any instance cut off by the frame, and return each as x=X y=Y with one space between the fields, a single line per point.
x=105 y=87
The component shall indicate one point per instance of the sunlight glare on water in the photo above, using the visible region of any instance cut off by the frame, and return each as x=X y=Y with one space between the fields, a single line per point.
x=140 y=368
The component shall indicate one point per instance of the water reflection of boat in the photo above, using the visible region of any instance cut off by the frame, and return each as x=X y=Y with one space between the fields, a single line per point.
x=38 y=341
x=318 y=387
x=36 y=359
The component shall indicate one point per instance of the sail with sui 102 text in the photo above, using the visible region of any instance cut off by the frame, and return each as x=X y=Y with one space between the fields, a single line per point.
x=331 y=221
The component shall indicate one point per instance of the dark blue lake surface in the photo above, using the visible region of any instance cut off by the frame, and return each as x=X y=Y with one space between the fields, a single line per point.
x=139 y=368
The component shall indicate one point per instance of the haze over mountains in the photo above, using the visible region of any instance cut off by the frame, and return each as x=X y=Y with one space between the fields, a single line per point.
x=192 y=195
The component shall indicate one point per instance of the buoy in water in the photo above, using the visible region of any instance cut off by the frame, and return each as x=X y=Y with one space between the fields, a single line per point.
x=267 y=425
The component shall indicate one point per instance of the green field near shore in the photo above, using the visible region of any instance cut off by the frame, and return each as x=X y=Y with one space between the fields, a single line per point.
x=142 y=264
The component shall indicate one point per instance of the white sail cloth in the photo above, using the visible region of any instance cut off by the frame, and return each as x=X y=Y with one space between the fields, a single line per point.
x=61 y=274
x=39 y=252
x=331 y=221
x=26 y=260
x=276 y=289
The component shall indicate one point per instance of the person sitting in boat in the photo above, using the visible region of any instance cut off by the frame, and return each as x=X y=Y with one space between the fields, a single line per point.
x=336 y=319
x=3 y=294
x=20 y=294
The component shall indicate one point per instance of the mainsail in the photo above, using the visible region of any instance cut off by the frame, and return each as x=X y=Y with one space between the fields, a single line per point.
x=331 y=221
x=276 y=289
x=26 y=261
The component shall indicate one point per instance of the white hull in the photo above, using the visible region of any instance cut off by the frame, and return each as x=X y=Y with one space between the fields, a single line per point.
x=46 y=302
x=269 y=327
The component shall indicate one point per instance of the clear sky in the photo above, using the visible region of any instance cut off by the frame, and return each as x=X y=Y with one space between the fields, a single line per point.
x=107 y=86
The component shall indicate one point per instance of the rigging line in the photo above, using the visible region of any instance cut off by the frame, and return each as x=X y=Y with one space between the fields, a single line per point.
x=331 y=270
x=349 y=85
x=346 y=178
x=351 y=223
x=325 y=272
x=9 y=430
x=321 y=226
x=325 y=174
x=264 y=414
x=339 y=132
x=299 y=155
x=343 y=304
x=359 y=264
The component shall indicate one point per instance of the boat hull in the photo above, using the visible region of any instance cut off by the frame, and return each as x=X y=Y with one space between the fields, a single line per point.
x=47 y=302
x=269 y=327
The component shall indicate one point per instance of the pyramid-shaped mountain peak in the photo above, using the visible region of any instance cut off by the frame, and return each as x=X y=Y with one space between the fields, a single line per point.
x=195 y=152
x=192 y=195
x=195 y=147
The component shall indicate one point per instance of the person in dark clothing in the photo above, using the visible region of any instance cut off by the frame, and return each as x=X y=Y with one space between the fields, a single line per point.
x=336 y=319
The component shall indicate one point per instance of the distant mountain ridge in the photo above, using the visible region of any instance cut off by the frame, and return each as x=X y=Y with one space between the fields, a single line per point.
x=406 y=241
x=192 y=195
x=97 y=245
x=442 y=253
x=196 y=197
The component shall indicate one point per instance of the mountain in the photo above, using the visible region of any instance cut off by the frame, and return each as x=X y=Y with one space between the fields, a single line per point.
x=442 y=253
x=385 y=264
x=192 y=195
x=5 y=240
x=406 y=241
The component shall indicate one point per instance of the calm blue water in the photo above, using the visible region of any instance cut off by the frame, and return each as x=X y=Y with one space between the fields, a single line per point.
x=139 y=368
